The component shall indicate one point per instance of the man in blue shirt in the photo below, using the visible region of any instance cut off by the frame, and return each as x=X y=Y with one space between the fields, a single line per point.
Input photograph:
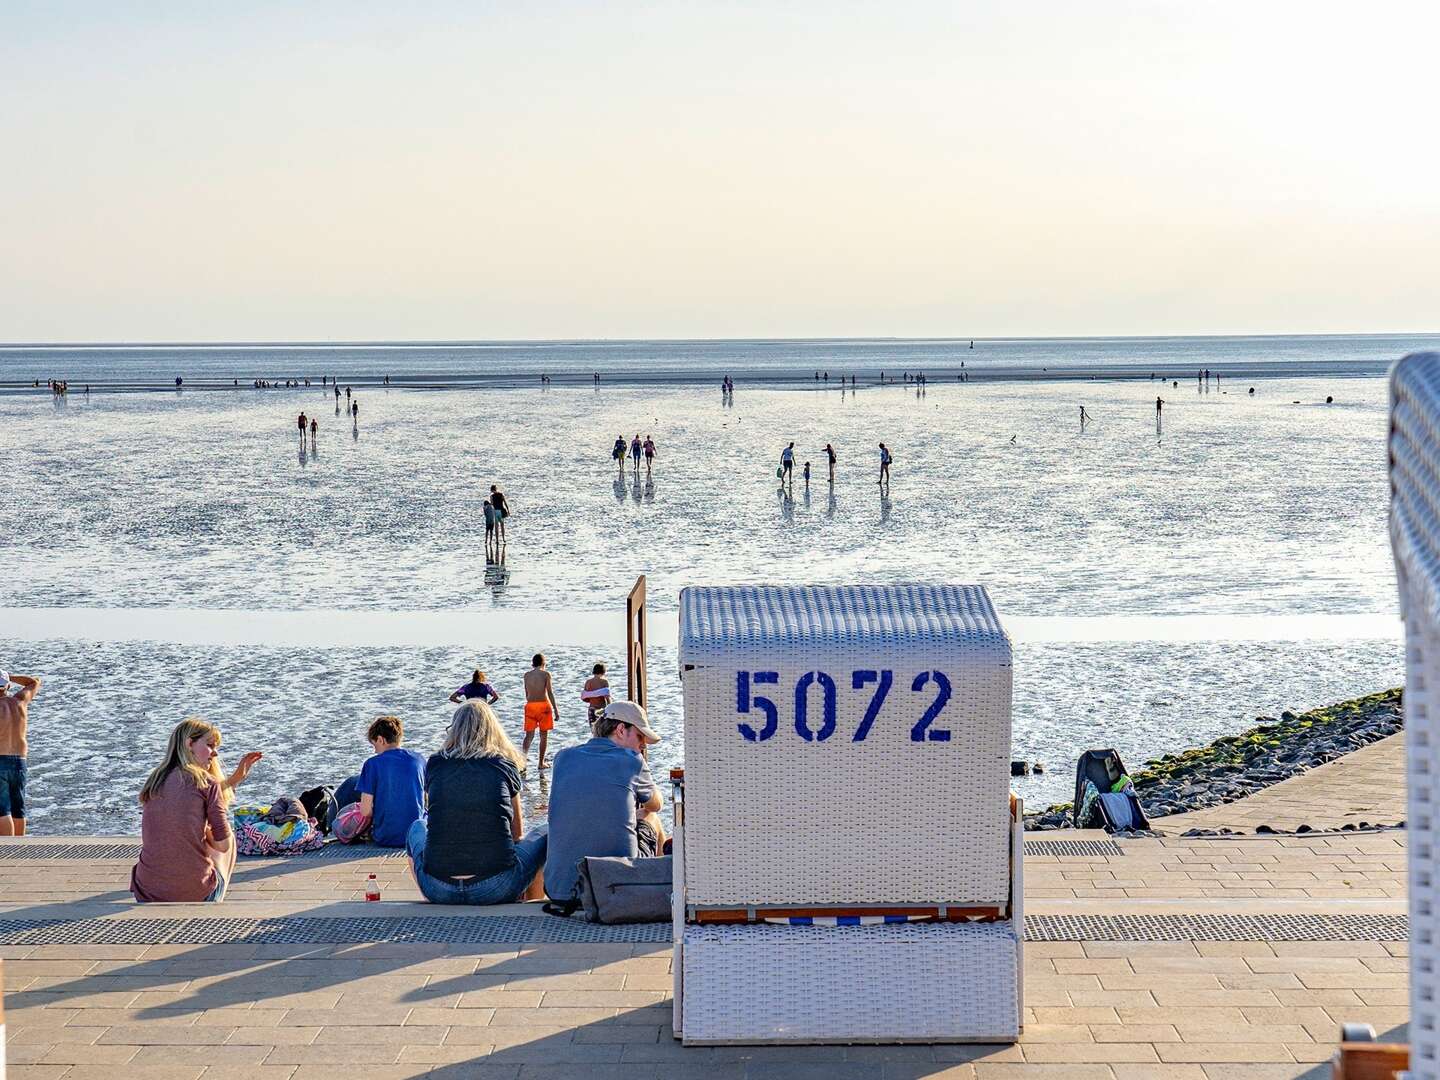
x=391 y=785
x=602 y=798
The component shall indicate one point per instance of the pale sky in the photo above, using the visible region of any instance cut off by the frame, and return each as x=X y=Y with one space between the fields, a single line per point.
x=350 y=170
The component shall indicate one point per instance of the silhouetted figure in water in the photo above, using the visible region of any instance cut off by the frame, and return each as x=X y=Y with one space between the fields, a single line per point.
x=303 y=425
x=314 y=429
x=1252 y=391
x=1084 y=417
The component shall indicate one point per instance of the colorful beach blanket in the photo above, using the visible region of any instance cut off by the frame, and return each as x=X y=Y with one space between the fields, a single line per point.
x=254 y=835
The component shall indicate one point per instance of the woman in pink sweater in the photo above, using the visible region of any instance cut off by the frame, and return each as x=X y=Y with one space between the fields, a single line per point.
x=187 y=852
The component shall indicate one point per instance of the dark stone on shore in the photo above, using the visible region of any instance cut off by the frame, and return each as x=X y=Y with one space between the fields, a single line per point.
x=1235 y=766
x=1019 y=768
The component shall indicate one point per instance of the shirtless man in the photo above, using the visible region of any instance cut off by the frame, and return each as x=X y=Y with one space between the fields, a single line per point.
x=14 y=716
x=596 y=692
x=541 y=712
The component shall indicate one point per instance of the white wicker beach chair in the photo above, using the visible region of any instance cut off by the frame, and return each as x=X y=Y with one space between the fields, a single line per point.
x=847 y=757
x=1415 y=536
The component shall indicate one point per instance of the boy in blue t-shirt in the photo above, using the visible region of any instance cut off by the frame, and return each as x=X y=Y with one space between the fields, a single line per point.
x=391 y=785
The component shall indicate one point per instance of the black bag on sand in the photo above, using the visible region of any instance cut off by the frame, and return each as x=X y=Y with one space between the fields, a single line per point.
x=1103 y=768
x=320 y=804
x=620 y=889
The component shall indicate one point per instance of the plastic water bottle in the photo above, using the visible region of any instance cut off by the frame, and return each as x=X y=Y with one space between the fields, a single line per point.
x=372 y=888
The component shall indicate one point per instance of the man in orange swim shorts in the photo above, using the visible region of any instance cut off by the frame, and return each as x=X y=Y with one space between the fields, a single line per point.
x=541 y=712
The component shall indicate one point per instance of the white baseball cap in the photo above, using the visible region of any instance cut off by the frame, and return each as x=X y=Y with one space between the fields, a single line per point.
x=627 y=712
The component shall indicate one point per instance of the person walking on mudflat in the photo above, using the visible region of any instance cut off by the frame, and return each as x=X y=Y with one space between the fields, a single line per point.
x=502 y=511
x=541 y=712
x=885 y=460
x=302 y=424
x=649 y=455
x=787 y=463
x=636 y=448
x=830 y=457
x=14 y=747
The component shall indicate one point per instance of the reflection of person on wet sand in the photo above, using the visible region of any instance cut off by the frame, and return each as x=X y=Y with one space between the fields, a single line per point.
x=496 y=576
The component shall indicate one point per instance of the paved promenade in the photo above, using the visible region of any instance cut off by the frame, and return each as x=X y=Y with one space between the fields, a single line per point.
x=1367 y=785
x=1158 y=959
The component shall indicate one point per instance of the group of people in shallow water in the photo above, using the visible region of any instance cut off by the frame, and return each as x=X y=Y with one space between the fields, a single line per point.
x=637 y=449
x=457 y=813
x=786 y=472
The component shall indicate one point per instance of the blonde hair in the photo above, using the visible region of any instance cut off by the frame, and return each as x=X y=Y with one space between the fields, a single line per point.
x=475 y=733
x=178 y=756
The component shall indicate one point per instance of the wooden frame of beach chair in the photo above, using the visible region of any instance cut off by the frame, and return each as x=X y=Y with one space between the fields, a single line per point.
x=1415 y=537
x=848 y=857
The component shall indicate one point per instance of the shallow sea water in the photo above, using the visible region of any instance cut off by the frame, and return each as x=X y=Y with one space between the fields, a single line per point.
x=1241 y=507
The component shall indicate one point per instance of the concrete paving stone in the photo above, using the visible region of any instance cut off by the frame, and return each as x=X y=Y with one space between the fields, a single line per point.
x=136 y=1071
x=57 y=999
x=1243 y=1033
x=517 y=1035
x=999 y=1070
x=38 y=1072
x=387 y=1071
x=248 y=1072
x=500 y=999
x=1181 y=998
x=450 y=1017
x=1108 y=1033
x=1304 y=1016
x=26 y=1053
x=1329 y=948
x=545 y=1052
x=979 y=1053
x=1348 y=980
x=1147 y=949
x=211 y=1055
x=1061 y=1033
x=1092 y=1014
x=273 y=1036
x=383 y=1016
x=1126 y=1071
x=1083 y=998
x=1260 y=980
x=109 y=1017
x=1145 y=982
x=166 y=1035
x=1089 y=1053
x=618 y=1033
x=1323 y=999
x=1215 y=1052
x=1267 y=1072
x=914 y=1070
x=353 y=1035
x=1304 y=963
x=879 y=1055
x=89 y=1054
x=1394 y=995
x=595 y=999
x=242 y=1017
x=40 y=1017
x=366 y=1054
x=1210 y=1016
x=664 y=983
x=570 y=1017
x=1312 y=1051
x=1067 y=965
x=20 y=1034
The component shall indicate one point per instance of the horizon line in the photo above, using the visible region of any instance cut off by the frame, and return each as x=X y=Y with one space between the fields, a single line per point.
x=502 y=342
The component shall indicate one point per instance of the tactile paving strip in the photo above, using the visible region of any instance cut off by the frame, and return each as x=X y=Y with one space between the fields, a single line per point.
x=1217 y=927
x=129 y=852
x=511 y=929
x=1089 y=848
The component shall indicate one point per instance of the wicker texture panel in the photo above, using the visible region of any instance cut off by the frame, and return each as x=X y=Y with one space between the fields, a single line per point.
x=915 y=983
x=913 y=813
x=1415 y=536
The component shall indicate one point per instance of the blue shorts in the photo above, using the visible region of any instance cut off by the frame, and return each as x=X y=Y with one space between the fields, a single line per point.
x=506 y=887
x=12 y=786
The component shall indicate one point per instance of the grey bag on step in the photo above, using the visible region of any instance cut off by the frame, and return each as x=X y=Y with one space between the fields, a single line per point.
x=620 y=889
